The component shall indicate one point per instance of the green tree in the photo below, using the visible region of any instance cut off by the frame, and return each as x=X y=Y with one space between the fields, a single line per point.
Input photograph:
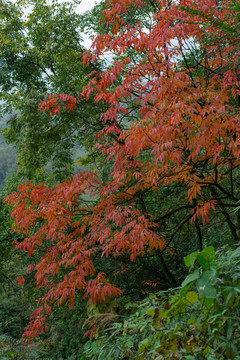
x=40 y=54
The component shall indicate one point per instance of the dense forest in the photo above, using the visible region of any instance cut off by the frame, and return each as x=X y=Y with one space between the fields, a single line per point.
x=120 y=180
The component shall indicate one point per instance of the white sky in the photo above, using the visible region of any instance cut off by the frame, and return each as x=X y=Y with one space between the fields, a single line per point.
x=87 y=5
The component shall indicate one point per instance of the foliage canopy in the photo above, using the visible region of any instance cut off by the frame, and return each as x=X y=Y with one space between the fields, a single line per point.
x=166 y=131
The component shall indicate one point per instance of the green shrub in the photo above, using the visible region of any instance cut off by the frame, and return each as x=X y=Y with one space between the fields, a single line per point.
x=200 y=320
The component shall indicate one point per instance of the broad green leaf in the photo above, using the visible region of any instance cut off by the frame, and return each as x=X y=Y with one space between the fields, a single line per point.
x=206 y=289
x=191 y=277
x=208 y=302
x=206 y=282
x=190 y=259
x=210 y=292
x=191 y=297
x=203 y=262
x=209 y=277
x=208 y=253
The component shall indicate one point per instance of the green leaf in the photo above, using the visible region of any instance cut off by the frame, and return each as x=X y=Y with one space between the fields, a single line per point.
x=205 y=288
x=191 y=277
x=208 y=302
x=184 y=290
x=229 y=331
x=235 y=253
x=206 y=282
x=209 y=254
x=190 y=259
x=151 y=311
x=209 y=277
x=191 y=297
x=231 y=299
x=203 y=262
x=143 y=344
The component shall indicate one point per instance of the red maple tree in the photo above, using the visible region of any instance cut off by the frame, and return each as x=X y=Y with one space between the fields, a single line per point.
x=181 y=125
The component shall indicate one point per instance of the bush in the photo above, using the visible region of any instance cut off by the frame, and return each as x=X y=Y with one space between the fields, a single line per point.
x=200 y=320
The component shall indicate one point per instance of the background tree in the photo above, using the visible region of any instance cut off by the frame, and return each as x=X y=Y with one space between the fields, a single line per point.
x=40 y=49
x=40 y=54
